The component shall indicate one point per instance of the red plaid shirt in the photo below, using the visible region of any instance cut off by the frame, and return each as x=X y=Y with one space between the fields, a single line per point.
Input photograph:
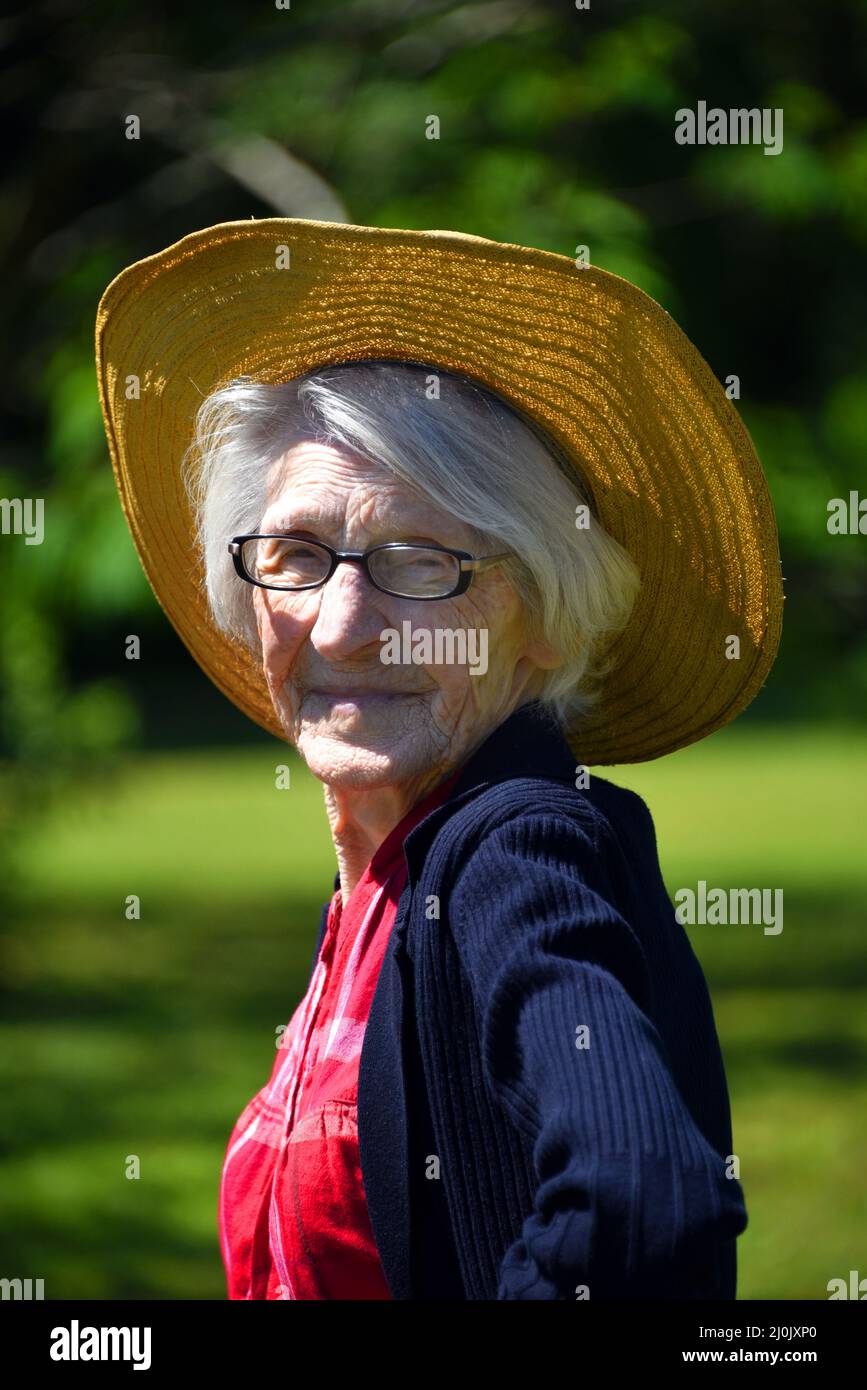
x=292 y=1211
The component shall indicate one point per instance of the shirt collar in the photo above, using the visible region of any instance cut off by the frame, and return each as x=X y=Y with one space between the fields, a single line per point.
x=390 y=852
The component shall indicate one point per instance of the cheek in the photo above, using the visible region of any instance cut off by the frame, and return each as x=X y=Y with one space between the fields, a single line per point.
x=281 y=632
x=495 y=612
x=468 y=615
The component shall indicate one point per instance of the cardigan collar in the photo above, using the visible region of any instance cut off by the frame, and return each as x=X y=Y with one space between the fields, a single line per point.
x=528 y=743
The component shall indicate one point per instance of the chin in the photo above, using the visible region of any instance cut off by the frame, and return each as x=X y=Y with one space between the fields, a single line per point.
x=336 y=758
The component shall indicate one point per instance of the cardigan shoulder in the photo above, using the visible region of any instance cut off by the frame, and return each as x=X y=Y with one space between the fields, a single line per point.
x=540 y=855
x=606 y=822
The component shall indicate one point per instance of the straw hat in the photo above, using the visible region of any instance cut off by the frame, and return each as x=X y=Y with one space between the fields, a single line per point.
x=594 y=361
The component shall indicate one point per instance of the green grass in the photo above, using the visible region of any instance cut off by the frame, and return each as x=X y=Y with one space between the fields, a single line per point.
x=147 y=1037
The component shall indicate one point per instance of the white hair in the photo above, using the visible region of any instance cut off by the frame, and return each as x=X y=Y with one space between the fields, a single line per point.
x=467 y=450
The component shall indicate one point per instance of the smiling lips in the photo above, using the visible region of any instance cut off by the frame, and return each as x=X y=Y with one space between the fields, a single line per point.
x=362 y=696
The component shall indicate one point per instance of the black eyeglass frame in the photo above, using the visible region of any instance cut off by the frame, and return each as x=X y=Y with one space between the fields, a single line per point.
x=469 y=564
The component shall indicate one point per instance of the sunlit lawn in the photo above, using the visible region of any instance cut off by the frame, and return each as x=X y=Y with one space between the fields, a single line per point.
x=124 y=1037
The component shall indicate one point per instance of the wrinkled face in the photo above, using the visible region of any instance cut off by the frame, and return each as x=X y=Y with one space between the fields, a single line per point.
x=357 y=719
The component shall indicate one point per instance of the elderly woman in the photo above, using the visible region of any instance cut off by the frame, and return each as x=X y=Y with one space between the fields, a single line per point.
x=504 y=1078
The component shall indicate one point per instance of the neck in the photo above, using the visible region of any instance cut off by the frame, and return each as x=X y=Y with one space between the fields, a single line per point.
x=362 y=819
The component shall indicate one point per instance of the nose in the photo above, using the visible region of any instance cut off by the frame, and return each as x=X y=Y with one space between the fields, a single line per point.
x=348 y=616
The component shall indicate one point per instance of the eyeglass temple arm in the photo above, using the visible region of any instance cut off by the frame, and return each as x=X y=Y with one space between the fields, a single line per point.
x=484 y=561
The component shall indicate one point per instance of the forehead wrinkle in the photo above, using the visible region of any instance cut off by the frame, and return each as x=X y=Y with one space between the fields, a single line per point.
x=308 y=513
x=304 y=513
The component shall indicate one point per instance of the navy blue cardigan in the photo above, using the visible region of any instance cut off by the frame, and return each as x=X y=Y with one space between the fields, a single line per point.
x=542 y=1105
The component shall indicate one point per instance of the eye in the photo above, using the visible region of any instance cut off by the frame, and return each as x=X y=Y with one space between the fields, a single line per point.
x=286 y=560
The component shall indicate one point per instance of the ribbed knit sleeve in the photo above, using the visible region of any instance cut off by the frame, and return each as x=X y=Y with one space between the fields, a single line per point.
x=632 y=1200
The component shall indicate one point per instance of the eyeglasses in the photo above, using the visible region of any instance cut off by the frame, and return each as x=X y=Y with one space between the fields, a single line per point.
x=406 y=571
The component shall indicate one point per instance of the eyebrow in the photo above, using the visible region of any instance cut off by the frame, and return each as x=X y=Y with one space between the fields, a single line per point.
x=305 y=521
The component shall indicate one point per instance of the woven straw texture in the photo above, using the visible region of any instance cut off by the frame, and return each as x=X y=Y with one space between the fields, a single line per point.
x=596 y=362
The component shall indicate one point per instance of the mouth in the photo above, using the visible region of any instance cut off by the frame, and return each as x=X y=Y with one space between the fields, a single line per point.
x=361 y=699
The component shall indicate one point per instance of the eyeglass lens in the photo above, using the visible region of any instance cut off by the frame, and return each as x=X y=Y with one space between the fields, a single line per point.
x=416 y=572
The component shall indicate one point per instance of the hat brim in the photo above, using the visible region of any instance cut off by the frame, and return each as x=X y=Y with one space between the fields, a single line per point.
x=594 y=360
